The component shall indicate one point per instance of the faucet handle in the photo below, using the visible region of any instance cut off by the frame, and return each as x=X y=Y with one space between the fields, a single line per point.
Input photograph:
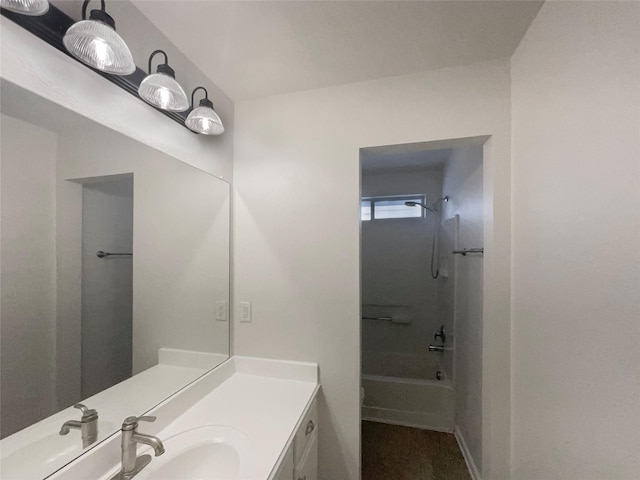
x=88 y=414
x=440 y=334
x=131 y=423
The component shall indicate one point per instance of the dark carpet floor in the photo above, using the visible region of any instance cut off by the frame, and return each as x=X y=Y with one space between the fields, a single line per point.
x=391 y=452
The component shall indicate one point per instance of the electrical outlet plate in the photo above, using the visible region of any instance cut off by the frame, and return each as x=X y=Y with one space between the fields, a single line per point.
x=221 y=311
x=245 y=312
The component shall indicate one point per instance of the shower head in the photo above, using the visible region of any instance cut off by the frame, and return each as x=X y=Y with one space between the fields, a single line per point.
x=417 y=204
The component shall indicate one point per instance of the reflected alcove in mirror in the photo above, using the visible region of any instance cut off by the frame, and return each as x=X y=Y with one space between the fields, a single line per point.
x=121 y=332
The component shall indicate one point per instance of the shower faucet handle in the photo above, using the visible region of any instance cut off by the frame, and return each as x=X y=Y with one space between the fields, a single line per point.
x=440 y=335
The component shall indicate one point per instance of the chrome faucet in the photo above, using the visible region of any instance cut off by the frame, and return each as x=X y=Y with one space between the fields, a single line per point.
x=437 y=348
x=131 y=463
x=88 y=425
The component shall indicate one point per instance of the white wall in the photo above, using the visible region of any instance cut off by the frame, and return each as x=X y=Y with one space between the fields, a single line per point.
x=576 y=275
x=28 y=281
x=296 y=247
x=396 y=259
x=463 y=184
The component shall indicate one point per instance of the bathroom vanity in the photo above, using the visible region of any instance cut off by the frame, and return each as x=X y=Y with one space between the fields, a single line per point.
x=248 y=419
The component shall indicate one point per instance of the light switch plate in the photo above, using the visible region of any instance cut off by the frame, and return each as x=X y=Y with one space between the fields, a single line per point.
x=245 y=312
x=221 y=311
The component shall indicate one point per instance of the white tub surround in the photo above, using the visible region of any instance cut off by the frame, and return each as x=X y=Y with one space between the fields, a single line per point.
x=419 y=366
x=263 y=401
x=411 y=402
x=402 y=389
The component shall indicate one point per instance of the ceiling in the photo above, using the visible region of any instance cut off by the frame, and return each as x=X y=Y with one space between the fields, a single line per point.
x=252 y=49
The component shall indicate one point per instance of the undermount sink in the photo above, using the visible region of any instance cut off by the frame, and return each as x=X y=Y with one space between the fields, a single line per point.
x=210 y=452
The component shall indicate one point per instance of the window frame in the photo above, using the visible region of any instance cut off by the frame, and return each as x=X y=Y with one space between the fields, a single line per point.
x=410 y=197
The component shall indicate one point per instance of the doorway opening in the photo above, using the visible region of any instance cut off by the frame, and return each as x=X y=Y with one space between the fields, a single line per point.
x=107 y=283
x=422 y=244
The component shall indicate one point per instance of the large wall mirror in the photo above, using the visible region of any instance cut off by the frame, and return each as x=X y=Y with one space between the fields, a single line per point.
x=114 y=265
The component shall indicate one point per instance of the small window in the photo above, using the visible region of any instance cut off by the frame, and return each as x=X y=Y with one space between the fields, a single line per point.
x=382 y=208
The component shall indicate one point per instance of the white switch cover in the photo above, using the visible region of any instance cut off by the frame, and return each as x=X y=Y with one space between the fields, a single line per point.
x=221 y=311
x=245 y=312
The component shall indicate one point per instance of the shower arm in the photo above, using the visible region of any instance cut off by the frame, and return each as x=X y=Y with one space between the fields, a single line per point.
x=418 y=204
x=434 y=205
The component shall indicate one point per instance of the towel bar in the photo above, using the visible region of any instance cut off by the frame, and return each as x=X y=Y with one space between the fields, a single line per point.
x=464 y=251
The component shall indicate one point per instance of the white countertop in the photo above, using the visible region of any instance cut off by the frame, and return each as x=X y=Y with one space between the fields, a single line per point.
x=265 y=409
x=264 y=399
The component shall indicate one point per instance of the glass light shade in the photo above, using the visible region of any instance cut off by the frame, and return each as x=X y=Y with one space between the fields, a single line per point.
x=204 y=120
x=162 y=91
x=26 y=7
x=99 y=46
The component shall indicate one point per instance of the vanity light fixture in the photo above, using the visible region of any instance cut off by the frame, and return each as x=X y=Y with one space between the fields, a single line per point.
x=204 y=119
x=26 y=7
x=77 y=38
x=96 y=43
x=161 y=90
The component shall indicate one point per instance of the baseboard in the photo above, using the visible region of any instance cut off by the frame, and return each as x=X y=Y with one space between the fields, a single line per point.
x=471 y=465
x=405 y=424
x=420 y=420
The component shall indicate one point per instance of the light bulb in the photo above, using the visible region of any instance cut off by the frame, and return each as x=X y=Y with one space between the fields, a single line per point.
x=101 y=50
x=204 y=120
x=161 y=89
x=164 y=97
x=99 y=46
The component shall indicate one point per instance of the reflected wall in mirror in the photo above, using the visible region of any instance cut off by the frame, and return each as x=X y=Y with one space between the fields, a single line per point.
x=118 y=332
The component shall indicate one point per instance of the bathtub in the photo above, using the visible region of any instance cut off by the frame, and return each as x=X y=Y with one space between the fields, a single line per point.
x=402 y=389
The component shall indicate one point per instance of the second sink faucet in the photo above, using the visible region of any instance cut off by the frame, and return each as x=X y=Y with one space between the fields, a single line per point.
x=88 y=425
x=131 y=463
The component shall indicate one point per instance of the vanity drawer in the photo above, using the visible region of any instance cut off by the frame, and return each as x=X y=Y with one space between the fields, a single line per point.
x=305 y=433
x=307 y=469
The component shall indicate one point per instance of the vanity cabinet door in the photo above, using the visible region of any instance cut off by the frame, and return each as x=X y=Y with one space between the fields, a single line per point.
x=285 y=472
x=305 y=432
x=307 y=469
